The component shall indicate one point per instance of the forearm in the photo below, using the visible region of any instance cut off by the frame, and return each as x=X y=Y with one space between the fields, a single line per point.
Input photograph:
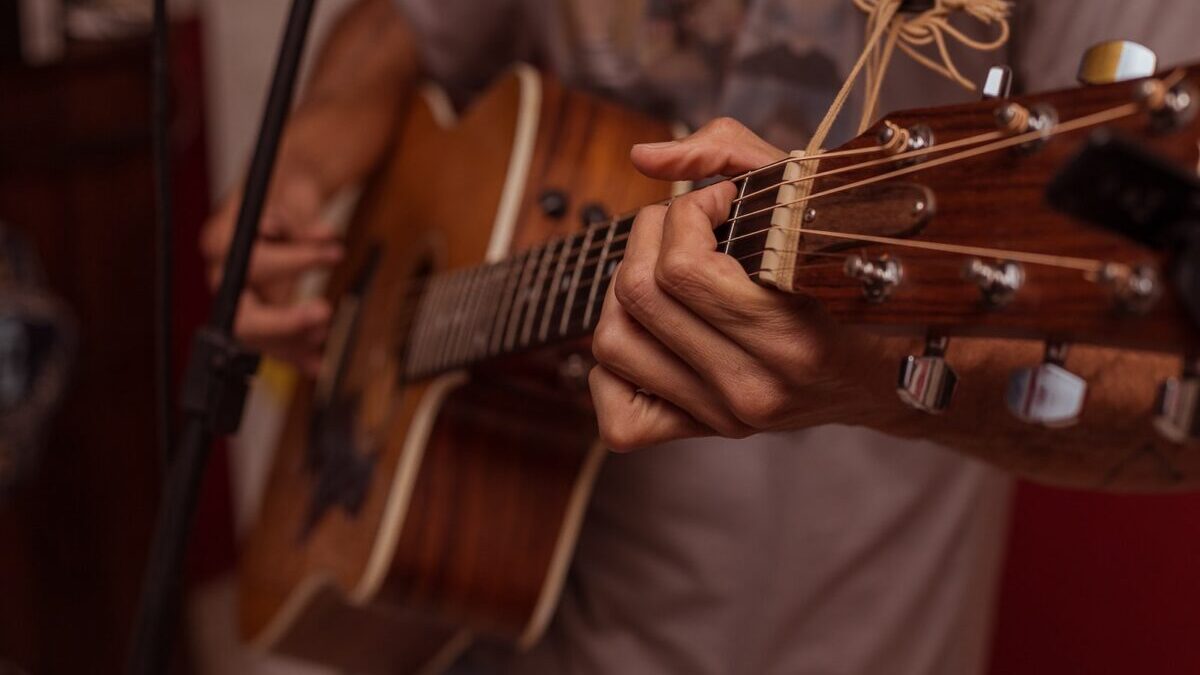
x=1112 y=447
x=348 y=110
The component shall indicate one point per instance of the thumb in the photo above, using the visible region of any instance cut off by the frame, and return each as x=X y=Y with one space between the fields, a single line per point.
x=723 y=147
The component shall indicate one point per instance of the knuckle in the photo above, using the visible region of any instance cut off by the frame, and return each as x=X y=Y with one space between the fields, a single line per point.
x=724 y=127
x=679 y=273
x=760 y=406
x=606 y=341
x=636 y=289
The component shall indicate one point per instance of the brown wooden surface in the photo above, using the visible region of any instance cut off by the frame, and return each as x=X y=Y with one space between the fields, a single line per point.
x=492 y=489
x=997 y=201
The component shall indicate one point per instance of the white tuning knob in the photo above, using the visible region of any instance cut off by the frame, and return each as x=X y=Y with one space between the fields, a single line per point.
x=998 y=83
x=1178 y=402
x=926 y=382
x=1116 y=61
x=1047 y=394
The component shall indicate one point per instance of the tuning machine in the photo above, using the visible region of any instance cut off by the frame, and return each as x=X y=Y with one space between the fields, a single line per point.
x=879 y=276
x=998 y=83
x=998 y=282
x=896 y=140
x=1047 y=394
x=1175 y=409
x=1116 y=61
x=1015 y=119
x=927 y=382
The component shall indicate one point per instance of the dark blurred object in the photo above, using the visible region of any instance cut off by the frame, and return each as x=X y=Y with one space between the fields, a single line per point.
x=37 y=339
x=31 y=31
x=10 y=33
x=107 y=19
x=76 y=177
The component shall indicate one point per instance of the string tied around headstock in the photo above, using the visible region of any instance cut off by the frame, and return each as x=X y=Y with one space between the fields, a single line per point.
x=888 y=28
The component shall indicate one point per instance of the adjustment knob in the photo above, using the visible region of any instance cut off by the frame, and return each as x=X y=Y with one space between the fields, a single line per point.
x=926 y=382
x=1175 y=410
x=1048 y=394
x=592 y=213
x=1116 y=61
x=553 y=203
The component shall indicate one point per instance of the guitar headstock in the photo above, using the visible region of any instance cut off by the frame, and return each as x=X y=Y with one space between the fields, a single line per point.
x=953 y=233
x=937 y=222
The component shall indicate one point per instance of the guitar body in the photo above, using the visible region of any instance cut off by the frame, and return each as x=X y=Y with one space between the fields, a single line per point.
x=400 y=520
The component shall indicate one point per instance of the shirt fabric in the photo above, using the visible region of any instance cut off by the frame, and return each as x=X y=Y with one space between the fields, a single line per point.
x=832 y=550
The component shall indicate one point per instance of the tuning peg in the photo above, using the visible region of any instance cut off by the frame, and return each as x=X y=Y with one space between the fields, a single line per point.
x=1116 y=61
x=998 y=83
x=1048 y=394
x=998 y=282
x=1178 y=402
x=926 y=382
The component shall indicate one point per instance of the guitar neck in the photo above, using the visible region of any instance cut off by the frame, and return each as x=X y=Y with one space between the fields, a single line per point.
x=552 y=293
x=542 y=296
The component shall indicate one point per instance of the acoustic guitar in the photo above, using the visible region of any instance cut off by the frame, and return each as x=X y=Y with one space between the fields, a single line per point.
x=429 y=485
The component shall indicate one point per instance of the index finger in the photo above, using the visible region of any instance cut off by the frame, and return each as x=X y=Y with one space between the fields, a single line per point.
x=692 y=269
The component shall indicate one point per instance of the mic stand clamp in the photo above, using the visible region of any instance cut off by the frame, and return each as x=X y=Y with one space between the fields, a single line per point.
x=216 y=381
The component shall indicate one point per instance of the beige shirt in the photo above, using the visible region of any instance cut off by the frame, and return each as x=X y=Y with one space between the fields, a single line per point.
x=833 y=550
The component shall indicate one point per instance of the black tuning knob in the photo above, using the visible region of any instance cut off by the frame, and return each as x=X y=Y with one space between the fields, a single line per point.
x=593 y=213
x=553 y=203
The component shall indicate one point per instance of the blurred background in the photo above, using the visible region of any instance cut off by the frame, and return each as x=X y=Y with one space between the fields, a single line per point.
x=1092 y=584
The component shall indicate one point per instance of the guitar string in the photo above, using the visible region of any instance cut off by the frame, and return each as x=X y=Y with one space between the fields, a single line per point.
x=1158 y=91
x=899 y=157
x=1085 y=265
x=1012 y=141
x=1076 y=124
x=1163 y=86
x=1008 y=141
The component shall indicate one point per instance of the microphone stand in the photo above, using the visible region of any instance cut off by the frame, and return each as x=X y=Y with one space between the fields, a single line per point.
x=215 y=384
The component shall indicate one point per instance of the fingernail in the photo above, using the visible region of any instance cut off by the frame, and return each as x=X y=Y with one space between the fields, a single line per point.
x=662 y=145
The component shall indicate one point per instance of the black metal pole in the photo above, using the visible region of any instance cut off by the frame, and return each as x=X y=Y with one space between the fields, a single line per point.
x=163 y=271
x=215 y=383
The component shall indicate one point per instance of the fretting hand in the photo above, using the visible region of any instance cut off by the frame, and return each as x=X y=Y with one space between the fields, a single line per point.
x=689 y=345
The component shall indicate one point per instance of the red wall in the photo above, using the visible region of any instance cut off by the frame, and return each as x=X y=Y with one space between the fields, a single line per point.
x=1100 y=584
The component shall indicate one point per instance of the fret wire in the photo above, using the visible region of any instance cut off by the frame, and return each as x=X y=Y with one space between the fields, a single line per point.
x=437 y=320
x=612 y=229
x=487 y=319
x=462 y=316
x=568 y=246
x=587 y=242
x=496 y=279
x=433 y=320
x=453 y=293
x=737 y=209
x=512 y=275
x=460 y=304
x=474 y=303
x=536 y=300
x=416 y=350
x=521 y=299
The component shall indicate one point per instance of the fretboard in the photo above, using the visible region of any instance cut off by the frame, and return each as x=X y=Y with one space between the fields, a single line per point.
x=551 y=293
